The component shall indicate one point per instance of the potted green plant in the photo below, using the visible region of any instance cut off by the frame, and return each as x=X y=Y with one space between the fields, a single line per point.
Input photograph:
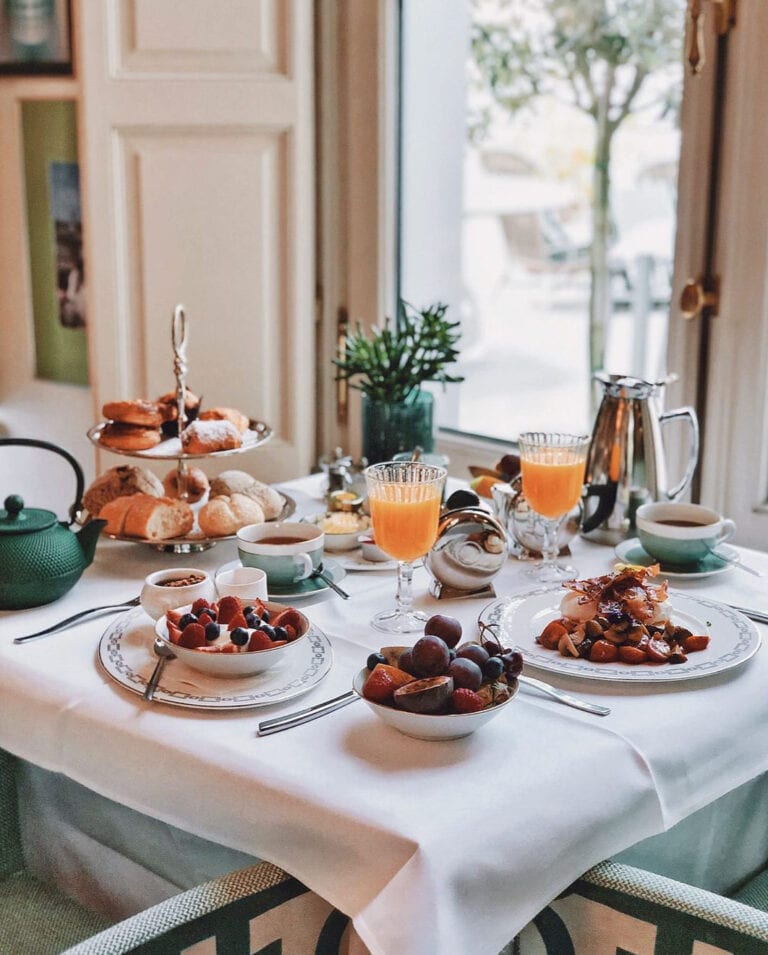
x=389 y=365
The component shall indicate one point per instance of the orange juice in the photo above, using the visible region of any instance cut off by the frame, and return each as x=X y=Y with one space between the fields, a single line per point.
x=405 y=519
x=552 y=483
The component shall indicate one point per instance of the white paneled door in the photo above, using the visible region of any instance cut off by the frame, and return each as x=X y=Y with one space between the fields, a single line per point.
x=197 y=155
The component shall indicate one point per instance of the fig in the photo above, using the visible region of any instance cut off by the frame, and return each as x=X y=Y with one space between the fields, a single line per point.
x=466 y=674
x=406 y=662
x=447 y=628
x=473 y=652
x=431 y=695
x=430 y=656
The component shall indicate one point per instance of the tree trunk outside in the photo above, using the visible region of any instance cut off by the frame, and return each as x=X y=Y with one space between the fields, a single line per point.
x=600 y=291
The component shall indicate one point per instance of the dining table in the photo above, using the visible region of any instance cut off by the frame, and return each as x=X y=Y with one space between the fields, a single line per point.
x=430 y=847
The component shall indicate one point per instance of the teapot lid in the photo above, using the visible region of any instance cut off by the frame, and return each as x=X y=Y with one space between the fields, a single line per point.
x=17 y=519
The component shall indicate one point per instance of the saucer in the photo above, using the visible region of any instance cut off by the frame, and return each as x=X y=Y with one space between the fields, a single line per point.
x=631 y=552
x=302 y=588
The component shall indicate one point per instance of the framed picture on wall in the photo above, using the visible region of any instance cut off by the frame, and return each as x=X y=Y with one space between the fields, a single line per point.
x=35 y=37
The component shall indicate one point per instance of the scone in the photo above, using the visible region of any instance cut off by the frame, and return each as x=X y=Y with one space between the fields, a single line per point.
x=206 y=437
x=138 y=411
x=224 y=515
x=129 y=437
x=121 y=481
x=196 y=484
x=240 y=482
x=238 y=419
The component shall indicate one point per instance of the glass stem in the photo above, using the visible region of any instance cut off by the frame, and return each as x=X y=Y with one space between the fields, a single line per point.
x=550 y=550
x=404 y=597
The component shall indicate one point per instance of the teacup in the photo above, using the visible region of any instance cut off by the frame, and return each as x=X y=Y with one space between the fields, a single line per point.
x=248 y=583
x=288 y=552
x=165 y=590
x=681 y=534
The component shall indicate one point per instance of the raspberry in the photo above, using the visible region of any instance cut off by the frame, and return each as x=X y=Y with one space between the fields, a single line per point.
x=466 y=701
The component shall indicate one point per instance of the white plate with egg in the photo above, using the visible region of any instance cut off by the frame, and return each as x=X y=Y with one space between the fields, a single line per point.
x=734 y=638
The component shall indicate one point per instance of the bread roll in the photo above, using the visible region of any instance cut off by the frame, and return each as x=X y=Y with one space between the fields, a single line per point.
x=237 y=418
x=196 y=484
x=224 y=515
x=113 y=512
x=205 y=437
x=240 y=482
x=117 y=482
x=157 y=518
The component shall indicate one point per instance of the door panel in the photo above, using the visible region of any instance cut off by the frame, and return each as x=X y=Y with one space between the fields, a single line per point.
x=198 y=189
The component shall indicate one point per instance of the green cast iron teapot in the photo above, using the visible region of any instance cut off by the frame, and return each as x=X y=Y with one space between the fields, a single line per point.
x=40 y=557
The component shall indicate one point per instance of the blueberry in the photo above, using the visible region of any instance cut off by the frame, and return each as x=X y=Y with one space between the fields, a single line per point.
x=270 y=631
x=252 y=620
x=374 y=659
x=493 y=668
x=265 y=615
x=211 y=632
x=211 y=612
x=187 y=619
x=249 y=609
x=280 y=633
x=239 y=636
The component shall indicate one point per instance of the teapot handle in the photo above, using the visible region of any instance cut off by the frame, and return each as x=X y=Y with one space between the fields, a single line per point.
x=693 y=458
x=34 y=443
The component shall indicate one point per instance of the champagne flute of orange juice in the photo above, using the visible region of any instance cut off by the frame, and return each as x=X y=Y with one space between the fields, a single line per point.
x=404 y=499
x=552 y=467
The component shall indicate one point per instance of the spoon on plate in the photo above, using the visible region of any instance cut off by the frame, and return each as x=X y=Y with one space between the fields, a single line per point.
x=163 y=653
x=323 y=574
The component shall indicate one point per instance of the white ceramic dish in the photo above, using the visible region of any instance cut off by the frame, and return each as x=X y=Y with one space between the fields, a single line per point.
x=631 y=552
x=302 y=588
x=733 y=638
x=125 y=654
x=335 y=542
x=156 y=599
x=234 y=664
x=428 y=726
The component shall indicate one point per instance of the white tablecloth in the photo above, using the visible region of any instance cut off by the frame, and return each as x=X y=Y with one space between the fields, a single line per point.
x=430 y=847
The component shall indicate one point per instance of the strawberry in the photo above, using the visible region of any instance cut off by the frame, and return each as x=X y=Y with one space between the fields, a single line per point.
x=200 y=605
x=173 y=632
x=383 y=681
x=288 y=617
x=238 y=620
x=228 y=607
x=466 y=701
x=260 y=641
x=174 y=616
x=205 y=619
x=192 y=636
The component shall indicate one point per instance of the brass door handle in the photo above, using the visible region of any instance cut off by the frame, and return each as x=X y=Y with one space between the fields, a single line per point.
x=695 y=298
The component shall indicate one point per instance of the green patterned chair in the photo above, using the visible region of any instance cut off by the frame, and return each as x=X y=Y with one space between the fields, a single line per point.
x=616 y=909
x=35 y=918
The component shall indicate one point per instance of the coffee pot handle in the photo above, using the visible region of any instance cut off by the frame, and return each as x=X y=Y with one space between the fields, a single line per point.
x=689 y=414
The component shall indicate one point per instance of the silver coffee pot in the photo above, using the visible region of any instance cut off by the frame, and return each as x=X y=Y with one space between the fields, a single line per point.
x=626 y=464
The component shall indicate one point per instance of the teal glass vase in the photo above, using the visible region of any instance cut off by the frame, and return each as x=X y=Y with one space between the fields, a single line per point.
x=392 y=427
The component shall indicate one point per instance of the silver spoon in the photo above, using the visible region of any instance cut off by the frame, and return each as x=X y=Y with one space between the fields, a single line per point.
x=324 y=575
x=163 y=653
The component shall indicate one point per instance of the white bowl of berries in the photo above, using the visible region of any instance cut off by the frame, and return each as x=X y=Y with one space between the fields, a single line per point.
x=441 y=687
x=231 y=638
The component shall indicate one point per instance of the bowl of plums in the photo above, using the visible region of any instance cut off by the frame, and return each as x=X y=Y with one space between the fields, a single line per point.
x=231 y=637
x=442 y=687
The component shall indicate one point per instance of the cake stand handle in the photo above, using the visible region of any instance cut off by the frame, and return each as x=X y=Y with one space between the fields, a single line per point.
x=179 y=339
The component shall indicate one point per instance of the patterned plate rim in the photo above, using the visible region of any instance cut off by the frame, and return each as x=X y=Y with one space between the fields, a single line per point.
x=739 y=650
x=111 y=660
